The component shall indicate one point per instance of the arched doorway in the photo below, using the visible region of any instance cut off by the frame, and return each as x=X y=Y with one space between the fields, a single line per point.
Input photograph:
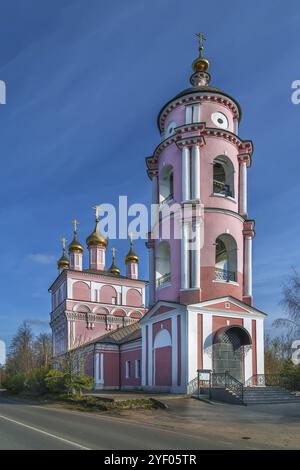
x=229 y=345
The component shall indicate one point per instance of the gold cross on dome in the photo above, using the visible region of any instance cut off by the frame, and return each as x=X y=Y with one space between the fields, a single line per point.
x=75 y=223
x=96 y=209
x=63 y=241
x=201 y=39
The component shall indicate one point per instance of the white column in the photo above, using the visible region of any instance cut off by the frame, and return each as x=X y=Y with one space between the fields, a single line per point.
x=150 y=357
x=102 y=368
x=185 y=268
x=260 y=345
x=185 y=174
x=248 y=355
x=97 y=365
x=243 y=188
x=174 y=351
x=144 y=355
x=151 y=276
x=196 y=257
x=192 y=345
x=207 y=341
x=196 y=171
x=248 y=266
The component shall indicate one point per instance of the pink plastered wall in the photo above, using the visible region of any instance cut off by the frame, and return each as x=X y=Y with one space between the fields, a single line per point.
x=132 y=356
x=111 y=363
x=133 y=298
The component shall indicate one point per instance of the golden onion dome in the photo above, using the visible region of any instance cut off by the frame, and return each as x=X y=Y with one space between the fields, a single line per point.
x=201 y=64
x=96 y=237
x=63 y=262
x=114 y=268
x=75 y=246
x=131 y=256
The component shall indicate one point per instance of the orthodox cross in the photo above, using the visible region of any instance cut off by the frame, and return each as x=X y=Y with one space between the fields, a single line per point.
x=75 y=223
x=114 y=251
x=201 y=47
x=64 y=241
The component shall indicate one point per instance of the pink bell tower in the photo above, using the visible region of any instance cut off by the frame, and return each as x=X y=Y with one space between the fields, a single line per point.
x=202 y=162
x=201 y=315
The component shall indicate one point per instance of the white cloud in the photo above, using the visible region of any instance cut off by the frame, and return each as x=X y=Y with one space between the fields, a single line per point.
x=41 y=258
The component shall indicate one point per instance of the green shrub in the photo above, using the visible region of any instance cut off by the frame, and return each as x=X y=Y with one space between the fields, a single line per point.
x=35 y=381
x=14 y=383
x=55 y=381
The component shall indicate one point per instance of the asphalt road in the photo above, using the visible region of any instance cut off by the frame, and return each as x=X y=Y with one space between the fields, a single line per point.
x=27 y=426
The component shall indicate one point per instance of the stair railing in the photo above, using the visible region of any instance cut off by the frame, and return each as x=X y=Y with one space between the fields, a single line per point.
x=272 y=380
x=228 y=382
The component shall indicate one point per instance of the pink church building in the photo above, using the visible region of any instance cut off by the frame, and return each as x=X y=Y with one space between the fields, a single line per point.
x=200 y=313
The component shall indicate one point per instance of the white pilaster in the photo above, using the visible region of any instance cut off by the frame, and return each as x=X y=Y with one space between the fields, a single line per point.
x=151 y=276
x=97 y=366
x=207 y=341
x=174 y=351
x=243 y=188
x=192 y=345
x=196 y=257
x=143 y=355
x=196 y=171
x=248 y=266
x=260 y=345
x=150 y=356
x=248 y=355
x=186 y=174
x=185 y=267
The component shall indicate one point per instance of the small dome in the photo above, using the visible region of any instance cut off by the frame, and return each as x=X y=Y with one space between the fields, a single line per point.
x=201 y=64
x=131 y=256
x=75 y=246
x=96 y=238
x=114 y=268
x=63 y=262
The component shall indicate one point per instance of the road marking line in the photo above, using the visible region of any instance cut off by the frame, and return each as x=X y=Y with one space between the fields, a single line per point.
x=44 y=432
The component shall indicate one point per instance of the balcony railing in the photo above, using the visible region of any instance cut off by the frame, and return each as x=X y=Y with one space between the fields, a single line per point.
x=222 y=188
x=163 y=280
x=224 y=275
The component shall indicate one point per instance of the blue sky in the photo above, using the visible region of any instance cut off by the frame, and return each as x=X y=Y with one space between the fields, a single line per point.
x=85 y=81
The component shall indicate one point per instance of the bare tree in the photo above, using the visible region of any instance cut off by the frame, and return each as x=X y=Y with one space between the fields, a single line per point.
x=42 y=349
x=21 y=358
x=291 y=305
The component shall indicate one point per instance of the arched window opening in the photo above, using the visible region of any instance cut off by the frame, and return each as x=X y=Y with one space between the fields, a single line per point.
x=223 y=176
x=226 y=259
x=163 y=264
x=166 y=184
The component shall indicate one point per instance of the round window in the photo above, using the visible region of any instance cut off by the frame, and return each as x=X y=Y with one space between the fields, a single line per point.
x=220 y=120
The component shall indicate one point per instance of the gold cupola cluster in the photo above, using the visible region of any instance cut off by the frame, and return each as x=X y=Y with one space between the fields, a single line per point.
x=97 y=244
